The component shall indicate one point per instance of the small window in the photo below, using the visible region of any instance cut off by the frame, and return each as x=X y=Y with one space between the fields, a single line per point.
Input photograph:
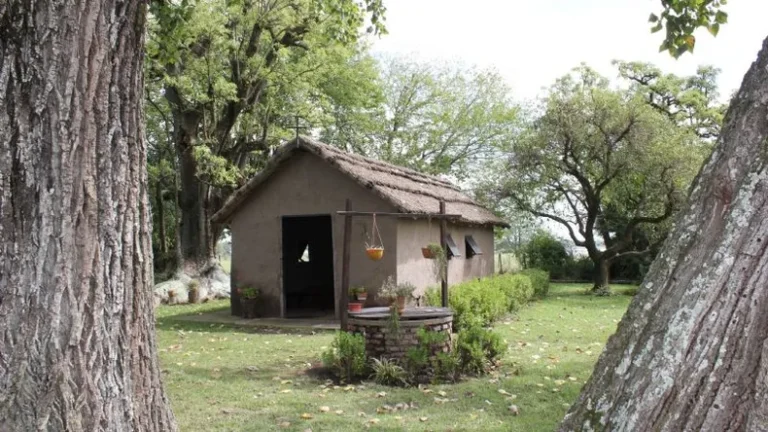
x=453 y=250
x=472 y=247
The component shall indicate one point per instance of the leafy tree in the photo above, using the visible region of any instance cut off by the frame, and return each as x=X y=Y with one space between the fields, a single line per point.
x=688 y=101
x=436 y=119
x=690 y=353
x=230 y=72
x=78 y=350
x=543 y=251
x=680 y=18
x=594 y=149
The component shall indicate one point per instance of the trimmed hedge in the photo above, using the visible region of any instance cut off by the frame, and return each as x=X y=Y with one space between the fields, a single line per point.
x=483 y=301
x=539 y=279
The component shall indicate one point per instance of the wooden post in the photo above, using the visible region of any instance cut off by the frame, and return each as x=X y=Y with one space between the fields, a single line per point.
x=444 y=245
x=344 y=299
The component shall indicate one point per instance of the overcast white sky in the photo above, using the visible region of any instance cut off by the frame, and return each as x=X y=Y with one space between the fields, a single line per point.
x=533 y=42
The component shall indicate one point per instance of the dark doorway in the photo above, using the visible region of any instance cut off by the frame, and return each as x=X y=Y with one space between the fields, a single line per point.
x=307 y=266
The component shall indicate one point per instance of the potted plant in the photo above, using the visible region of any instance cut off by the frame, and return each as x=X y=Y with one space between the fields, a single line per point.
x=361 y=294
x=403 y=291
x=354 y=306
x=396 y=293
x=439 y=256
x=249 y=297
x=431 y=250
x=193 y=290
x=374 y=252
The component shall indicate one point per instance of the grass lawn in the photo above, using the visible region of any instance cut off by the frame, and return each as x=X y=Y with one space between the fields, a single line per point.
x=232 y=379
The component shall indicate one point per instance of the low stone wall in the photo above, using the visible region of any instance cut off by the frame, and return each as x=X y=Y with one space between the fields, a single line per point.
x=382 y=342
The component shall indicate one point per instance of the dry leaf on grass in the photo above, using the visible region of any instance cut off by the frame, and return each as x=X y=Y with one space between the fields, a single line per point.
x=307 y=416
x=324 y=409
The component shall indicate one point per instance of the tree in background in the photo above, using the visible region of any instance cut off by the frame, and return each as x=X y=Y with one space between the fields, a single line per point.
x=691 y=353
x=544 y=251
x=77 y=332
x=596 y=148
x=435 y=119
x=229 y=72
x=690 y=102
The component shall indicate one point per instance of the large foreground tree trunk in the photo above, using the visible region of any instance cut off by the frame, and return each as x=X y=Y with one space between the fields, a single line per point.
x=77 y=339
x=692 y=351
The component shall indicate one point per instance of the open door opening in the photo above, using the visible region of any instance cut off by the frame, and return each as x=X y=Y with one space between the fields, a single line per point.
x=308 y=266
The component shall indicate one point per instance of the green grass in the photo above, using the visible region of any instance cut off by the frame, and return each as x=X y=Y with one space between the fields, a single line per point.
x=231 y=379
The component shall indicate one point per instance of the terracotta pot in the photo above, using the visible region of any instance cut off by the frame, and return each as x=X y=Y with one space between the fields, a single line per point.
x=248 y=308
x=194 y=296
x=362 y=297
x=427 y=253
x=400 y=301
x=375 y=253
x=355 y=307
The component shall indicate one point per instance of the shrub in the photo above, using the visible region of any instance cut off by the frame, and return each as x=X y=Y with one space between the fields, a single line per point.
x=478 y=348
x=539 y=280
x=388 y=372
x=416 y=362
x=346 y=357
x=447 y=366
x=481 y=302
x=544 y=251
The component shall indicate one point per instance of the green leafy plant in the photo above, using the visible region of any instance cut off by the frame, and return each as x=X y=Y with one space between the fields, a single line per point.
x=388 y=288
x=416 y=362
x=430 y=338
x=388 y=372
x=447 y=367
x=439 y=260
x=249 y=293
x=193 y=285
x=404 y=289
x=393 y=322
x=539 y=280
x=478 y=349
x=354 y=291
x=346 y=357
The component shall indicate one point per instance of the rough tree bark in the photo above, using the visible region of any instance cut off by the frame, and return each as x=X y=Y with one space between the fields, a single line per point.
x=77 y=339
x=692 y=351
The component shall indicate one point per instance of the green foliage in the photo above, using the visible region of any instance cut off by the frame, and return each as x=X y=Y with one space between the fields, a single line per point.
x=447 y=366
x=429 y=338
x=604 y=164
x=481 y=302
x=478 y=349
x=681 y=18
x=544 y=251
x=391 y=290
x=393 y=322
x=539 y=279
x=193 y=285
x=438 y=119
x=416 y=363
x=346 y=358
x=249 y=292
x=388 y=372
x=439 y=260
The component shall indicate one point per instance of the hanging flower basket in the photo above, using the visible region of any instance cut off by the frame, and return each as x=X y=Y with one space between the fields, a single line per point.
x=375 y=253
x=373 y=250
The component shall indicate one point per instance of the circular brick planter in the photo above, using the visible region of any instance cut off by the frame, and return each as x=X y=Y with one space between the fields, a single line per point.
x=382 y=342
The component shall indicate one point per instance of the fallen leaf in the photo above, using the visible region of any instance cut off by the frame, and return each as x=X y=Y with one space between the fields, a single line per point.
x=441 y=393
x=285 y=391
x=504 y=392
x=339 y=412
x=381 y=394
x=286 y=382
x=307 y=416
x=285 y=424
x=514 y=410
x=324 y=409
x=423 y=419
x=373 y=421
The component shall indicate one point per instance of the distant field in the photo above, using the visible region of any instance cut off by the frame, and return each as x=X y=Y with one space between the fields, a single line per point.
x=508 y=262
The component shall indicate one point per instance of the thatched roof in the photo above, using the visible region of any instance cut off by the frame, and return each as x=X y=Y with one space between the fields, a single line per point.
x=407 y=190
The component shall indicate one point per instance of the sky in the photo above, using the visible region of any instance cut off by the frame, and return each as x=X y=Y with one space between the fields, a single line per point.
x=533 y=42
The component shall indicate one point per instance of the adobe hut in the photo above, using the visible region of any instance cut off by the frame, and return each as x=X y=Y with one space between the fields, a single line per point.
x=287 y=237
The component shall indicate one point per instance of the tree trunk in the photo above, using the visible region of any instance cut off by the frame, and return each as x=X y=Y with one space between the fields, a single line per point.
x=692 y=351
x=602 y=275
x=77 y=337
x=160 y=210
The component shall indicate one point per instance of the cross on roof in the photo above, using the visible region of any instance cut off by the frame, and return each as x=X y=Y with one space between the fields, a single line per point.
x=297 y=125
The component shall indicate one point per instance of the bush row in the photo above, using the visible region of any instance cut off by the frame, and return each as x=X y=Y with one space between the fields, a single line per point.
x=481 y=302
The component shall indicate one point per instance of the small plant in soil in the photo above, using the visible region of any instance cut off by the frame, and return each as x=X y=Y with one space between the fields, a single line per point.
x=346 y=358
x=249 y=297
x=388 y=372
